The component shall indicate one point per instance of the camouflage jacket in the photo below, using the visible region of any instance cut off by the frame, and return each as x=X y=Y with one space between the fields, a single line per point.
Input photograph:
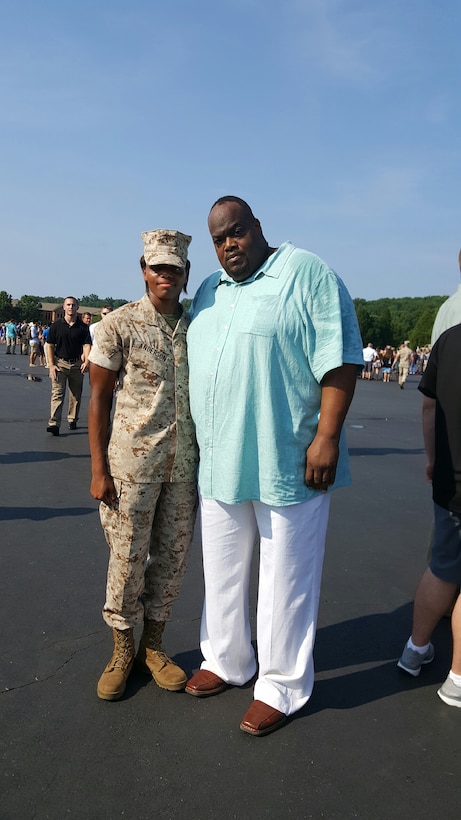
x=152 y=437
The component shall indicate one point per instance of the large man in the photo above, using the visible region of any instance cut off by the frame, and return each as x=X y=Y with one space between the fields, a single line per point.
x=441 y=388
x=67 y=351
x=449 y=314
x=274 y=348
x=145 y=474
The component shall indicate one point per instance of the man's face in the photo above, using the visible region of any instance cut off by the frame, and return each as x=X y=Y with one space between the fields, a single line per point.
x=238 y=240
x=86 y=318
x=164 y=283
x=105 y=311
x=70 y=309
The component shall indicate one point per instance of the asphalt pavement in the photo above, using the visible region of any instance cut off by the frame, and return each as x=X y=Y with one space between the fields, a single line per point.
x=371 y=743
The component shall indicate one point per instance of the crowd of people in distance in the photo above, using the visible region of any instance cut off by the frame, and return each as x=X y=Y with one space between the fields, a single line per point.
x=29 y=338
x=385 y=363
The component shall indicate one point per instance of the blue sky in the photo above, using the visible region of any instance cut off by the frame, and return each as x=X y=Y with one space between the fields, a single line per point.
x=337 y=120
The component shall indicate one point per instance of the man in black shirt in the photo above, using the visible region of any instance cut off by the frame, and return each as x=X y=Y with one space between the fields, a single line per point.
x=68 y=339
x=441 y=387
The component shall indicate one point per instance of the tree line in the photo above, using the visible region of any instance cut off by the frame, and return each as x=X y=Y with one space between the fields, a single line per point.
x=392 y=321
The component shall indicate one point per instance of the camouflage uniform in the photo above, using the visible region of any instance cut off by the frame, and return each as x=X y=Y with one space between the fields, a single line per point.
x=152 y=457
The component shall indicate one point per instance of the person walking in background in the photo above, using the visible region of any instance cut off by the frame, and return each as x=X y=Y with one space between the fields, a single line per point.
x=45 y=334
x=68 y=339
x=387 y=362
x=23 y=338
x=274 y=347
x=10 y=336
x=441 y=388
x=105 y=310
x=34 y=343
x=144 y=471
x=369 y=356
x=377 y=364
x=86 y=318
x=402 y=359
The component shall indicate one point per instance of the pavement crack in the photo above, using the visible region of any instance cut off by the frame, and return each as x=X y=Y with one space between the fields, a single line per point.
x=44 y=678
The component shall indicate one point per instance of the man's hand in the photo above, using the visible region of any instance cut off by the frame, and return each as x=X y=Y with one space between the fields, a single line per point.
x=102 y=487
x=53 y=372
x=322 y=455
x=321 y=461
x=84 y=366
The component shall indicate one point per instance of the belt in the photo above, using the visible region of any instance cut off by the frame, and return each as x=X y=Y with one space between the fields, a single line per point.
x=69 y=361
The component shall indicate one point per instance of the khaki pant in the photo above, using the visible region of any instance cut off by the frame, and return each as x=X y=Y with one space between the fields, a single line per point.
x=67 y=374
x=149 y=535
x=403 y=373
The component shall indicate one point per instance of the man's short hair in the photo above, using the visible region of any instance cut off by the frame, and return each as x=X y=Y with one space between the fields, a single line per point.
x=87 y=313
x=70 y=297
x=244 y=205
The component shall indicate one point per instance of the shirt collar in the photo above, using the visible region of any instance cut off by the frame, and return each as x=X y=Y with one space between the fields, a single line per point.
x=270 y=267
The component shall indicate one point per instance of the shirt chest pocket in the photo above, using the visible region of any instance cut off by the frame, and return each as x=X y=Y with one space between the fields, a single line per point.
x=263 y=318
x=148 y=367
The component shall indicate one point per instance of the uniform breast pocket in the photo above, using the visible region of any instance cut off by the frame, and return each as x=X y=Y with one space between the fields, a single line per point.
x=146 y=366
x=264 y=317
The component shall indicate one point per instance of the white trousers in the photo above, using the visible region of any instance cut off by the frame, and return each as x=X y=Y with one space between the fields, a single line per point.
x=292 y=545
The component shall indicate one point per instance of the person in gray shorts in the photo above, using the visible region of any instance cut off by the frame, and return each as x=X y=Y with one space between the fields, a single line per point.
x=441 y=388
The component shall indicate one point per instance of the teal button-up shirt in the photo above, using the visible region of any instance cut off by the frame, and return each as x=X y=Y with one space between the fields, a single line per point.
x=258 y=351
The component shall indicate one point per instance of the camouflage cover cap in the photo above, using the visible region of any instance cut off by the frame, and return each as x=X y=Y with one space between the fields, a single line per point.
x=164 y=247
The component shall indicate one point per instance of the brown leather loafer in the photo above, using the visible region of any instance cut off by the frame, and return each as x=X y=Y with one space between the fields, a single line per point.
x=262 y=719
x=205 y=683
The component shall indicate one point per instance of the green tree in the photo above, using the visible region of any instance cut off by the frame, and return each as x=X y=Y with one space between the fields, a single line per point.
x=366 y=325
x=385 y=334
x=29 y=308
x=422 y=331
x=92 y=300
x=7 y=311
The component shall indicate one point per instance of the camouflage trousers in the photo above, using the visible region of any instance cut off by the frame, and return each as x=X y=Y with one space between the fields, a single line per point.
x=149 y=535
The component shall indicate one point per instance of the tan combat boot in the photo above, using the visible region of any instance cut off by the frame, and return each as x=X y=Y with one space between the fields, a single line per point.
x=112 y=683
x=164 y=671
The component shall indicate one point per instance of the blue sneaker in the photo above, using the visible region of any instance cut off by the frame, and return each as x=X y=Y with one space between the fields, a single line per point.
x=412 y=661
x=450 y=693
